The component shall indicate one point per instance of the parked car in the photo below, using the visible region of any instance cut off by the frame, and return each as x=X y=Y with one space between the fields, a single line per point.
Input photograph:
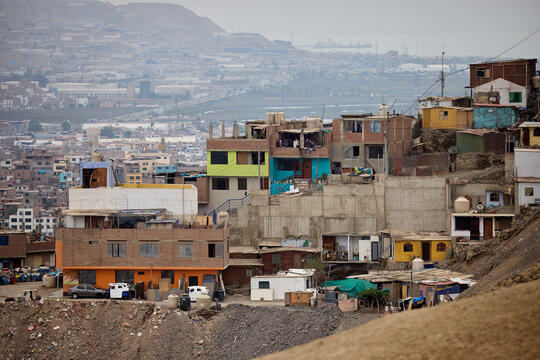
x=119 y=291
x=195 y=291
x=86 y=290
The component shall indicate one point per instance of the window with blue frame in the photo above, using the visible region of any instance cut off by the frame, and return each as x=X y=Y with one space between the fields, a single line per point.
x=4 y=240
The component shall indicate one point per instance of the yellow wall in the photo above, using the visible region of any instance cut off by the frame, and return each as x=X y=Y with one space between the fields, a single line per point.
x=533 y=140
x=431 y=118
x=233 y=169
x=401 y=256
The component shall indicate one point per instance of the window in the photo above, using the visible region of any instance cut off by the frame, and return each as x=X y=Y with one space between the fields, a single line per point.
x=87 y=277
x=249 y=272
x=116 y=249
x=407 y=247
x=242 y=183
x=254 y=158
x=483 y=73
x=27 y=213
x=356 y=150
x=4 y=240
x=186 y=250
x=276 y=259
x=242 y=158
x=140 y=273
x=376 y=151
x=220 y=184
x=168 y=274
x=124 y=276
x=514 y=97
x=219 y=158
x=147 y=250
x=494 y=197
x=529 y=191
x=264 y=284
x=536 y=132
x=443 y=115
x=215 y=250
x=91 y=242
x=286 y=164
x=375 y=127
x=441 y=247
x=463 y=223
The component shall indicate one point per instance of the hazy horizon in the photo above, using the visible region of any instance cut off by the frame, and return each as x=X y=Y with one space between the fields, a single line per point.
x=465 y=28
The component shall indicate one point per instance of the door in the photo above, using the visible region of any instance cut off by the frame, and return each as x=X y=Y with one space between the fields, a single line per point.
x=264 y=184
x=298 y=261
x=488 y=228
x=426 y=251
x=306 y=168
x=374 y=251
x=193 y=281
x=475 y=228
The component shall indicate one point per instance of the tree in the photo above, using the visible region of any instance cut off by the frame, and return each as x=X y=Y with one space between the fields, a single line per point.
x=66 y=125
x=320 y=269
x=35 y=126
x=108 y=132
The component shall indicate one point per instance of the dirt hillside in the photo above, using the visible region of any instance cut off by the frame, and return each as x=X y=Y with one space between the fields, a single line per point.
x=499 y=325
x=492 y=262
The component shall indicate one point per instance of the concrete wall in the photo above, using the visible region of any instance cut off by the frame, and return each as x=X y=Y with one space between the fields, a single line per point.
x=417 y=204
x=527 y=162
x=494 y=117
x=218 y=197
x=176 y=199
x=522 y=199
x=282 y=284
x=388 y=203
x=504 y=87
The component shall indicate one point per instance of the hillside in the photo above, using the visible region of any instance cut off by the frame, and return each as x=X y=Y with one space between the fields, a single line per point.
x=501 y=325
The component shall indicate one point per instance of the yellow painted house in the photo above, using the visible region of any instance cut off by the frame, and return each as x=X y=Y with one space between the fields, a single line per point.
x=447 y=117
x=429 y=247
x=530 y=133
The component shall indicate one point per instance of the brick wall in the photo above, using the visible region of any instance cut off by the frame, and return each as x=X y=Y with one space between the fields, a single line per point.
x=236 y=144
x=88 y=247
x=202 y=185
x=16 y=247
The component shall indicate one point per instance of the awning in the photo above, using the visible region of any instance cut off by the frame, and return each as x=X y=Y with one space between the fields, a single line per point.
x=298 y=131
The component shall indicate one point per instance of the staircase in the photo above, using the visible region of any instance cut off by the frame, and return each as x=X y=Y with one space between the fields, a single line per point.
x=228 y=205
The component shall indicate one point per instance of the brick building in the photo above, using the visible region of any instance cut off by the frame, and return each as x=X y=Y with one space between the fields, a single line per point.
x=12 y=248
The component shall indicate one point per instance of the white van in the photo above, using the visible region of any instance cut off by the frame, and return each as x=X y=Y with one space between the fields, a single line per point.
x=195 y=291
x=119 y=291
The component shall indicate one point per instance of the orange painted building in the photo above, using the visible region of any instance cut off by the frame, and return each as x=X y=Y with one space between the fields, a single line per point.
x=104 y=256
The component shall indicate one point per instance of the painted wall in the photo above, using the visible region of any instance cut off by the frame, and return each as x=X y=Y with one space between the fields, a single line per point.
x=282 y=284
x=522 y=198
x=469 y=143
x=431 y=118
x=402 y=256
x=494 y=117
x=527 y=162
x=466 y=233
x=504 y=87
x=234 y=169
x=176 y=199
x=533 y=140
x=218 y=197
x=319 y=166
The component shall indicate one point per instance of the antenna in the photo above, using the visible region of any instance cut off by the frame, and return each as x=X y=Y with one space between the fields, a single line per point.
x=323 y=111
x=442 y=74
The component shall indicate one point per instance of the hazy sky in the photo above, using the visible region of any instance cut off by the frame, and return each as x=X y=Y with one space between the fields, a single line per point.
x=426 y=27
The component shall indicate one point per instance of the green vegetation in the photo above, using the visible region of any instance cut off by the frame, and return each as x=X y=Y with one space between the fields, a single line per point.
x=35 y=126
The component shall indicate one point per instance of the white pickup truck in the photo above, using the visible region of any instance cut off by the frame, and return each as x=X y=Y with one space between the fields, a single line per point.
x=119 y=291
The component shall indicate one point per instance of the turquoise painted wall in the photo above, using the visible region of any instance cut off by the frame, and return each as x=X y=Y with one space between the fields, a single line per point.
x=318 y=166
x=486 y=117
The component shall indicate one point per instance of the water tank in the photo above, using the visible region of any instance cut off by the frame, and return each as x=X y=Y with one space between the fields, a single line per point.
x=49 y=281
x=383 y=109
x=204 y=302
x=172 y=301
x=417 y=264
x=461 y=205
x=536 y=82
x=96 y=157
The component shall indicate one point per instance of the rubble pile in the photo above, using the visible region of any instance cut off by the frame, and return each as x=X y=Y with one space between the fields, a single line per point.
x=516 y=250
x=434 y=141
x=259 y=331
x=97 y=330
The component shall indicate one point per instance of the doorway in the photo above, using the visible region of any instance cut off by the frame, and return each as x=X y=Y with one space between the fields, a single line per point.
x=488 y=228
x=306 y=168
x=426 y=251
x=193 y=281
x=298 y=261
x=374 y=251
x=475 y=228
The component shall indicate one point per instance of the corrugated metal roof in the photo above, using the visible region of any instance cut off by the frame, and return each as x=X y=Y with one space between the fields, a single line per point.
x=245 y=262
x=417 y=275
x=529 y=124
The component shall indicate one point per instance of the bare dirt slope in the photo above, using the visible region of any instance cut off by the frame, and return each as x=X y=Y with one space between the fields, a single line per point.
x=494 y=261
x=500 y=325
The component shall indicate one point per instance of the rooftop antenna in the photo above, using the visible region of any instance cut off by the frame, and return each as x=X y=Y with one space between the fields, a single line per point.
x=323 y=111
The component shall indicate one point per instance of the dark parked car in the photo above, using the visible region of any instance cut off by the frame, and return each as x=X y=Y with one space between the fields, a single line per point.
x=86 y=290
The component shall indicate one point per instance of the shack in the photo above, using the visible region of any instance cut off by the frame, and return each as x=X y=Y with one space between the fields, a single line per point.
x=274 y=287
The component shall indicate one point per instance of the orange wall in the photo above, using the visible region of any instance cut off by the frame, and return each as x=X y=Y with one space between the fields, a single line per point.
x=106 y=276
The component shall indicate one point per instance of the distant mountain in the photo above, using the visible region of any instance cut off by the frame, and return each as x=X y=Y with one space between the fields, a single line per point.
x=33 y=32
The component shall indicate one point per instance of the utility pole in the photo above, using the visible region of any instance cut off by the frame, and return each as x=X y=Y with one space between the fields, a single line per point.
x=259 y=164
x=442 y=74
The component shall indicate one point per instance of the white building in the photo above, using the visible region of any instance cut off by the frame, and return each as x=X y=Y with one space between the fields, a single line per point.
x=508 y=93
x=23 y=220
x=47 y=225
x=274 y=287
x=527 y=176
